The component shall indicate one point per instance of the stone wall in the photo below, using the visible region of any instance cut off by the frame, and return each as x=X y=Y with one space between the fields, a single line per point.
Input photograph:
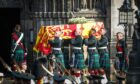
x=115 y=4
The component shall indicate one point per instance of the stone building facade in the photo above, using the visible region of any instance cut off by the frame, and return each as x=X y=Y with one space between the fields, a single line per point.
x=115 y=4
x=115 y=27
x=34 y=13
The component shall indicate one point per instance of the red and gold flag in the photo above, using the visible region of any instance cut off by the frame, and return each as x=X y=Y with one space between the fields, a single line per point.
x=39 y=37
x=68 y=32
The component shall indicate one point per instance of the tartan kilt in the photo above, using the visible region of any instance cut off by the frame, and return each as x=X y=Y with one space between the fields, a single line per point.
x=123 y=66
x=66 y=58
x=79 y=62
x=60 y=58
x=93 y=60
x=104 y=58
x=19 y=56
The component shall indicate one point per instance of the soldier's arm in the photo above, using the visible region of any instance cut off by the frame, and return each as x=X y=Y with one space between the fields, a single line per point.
x=93 y=41
x=103 y=41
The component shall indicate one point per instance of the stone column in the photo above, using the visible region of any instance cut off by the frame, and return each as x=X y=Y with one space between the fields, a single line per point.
x=63 y=5
x=94 y=3
x=91 y=2
x=54 y=6
x=69 y=5
x=45 y=5
x=66 y=5
x=75 y=5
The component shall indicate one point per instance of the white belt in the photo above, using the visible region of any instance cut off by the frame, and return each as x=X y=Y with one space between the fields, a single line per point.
x=90 y=48
x=66 y=47
x=102 y=47
x=76 y=47
x=119 y=52
x=56 y=48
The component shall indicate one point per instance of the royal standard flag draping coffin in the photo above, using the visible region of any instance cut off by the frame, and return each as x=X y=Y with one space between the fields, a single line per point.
x=42 y=39
x=68 y=32
x=39 y=37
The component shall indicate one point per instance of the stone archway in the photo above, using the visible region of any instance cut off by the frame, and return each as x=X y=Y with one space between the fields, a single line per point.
x=9 y=18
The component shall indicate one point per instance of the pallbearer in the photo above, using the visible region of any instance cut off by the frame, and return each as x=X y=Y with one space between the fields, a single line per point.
x=66 y=52
x=78 y=58
x=56 y=44
x=93 y=59
x=104 y=54
x=93 y=56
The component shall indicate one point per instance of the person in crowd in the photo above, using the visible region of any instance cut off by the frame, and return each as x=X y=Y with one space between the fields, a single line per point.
x=93 y=56
x=104 y=55
x=18 y=50
x=56 y=45
x=121 y=54
x=78 y=56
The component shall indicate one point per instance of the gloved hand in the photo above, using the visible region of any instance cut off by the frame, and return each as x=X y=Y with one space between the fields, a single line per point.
x=12 y=55
x=60 y=38
x=25 y=54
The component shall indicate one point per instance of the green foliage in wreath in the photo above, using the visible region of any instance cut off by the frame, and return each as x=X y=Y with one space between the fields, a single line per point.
x=77 y=20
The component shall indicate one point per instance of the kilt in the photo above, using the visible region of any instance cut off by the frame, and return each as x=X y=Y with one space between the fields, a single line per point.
x=79 y=62
x=19 y=56
x=66 y=57
x=93 y=60
x=60 y=58
x=123 y=66
x=104 y=58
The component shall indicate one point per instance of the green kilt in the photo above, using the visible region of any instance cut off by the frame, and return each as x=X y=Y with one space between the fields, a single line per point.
x=60 y=59
x=19 y=56
x=104 y=58
x=79 y=61
x=93 y=60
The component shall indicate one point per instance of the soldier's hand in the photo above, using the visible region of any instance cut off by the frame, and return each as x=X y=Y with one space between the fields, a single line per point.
x=12 y=55
x=25 y=53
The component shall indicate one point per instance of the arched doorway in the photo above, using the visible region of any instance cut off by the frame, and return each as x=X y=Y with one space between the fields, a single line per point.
x=9 y=17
